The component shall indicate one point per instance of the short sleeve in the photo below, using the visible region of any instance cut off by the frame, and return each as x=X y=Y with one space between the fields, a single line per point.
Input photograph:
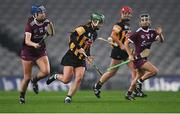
x=117 y=28
x=28 y=28
x=80 y=30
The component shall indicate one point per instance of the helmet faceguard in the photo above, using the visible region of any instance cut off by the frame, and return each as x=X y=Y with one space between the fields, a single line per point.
x=97 y=18
x=36 y=10
x=145 y=20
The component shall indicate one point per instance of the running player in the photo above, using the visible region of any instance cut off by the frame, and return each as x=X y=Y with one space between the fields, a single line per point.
x=74 y=60
x=119 y=33
x=142 y=40
x=32 y=51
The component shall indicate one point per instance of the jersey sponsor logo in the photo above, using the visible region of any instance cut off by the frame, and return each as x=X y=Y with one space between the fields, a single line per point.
x=145 y=43
x=41 y=30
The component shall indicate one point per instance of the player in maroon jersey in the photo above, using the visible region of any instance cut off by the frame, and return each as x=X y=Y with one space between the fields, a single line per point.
x=32 y=51
x=142 y=40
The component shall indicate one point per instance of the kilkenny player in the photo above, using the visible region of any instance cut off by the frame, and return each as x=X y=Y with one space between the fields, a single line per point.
x=74 y=60
x=119 y=34
x=33 y=52
x=142 y=40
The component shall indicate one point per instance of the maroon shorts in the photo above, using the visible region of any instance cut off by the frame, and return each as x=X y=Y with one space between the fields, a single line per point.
x=139 y=63
x=32 y=55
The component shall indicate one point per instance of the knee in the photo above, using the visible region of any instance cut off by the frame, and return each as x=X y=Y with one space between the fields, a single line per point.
x=46 y=72
x=78 y=80
x=155 y=71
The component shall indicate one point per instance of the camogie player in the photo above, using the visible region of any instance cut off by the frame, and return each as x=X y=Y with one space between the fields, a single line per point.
x=142 y=40
x=119 y=34
x=33 y=50
x=74 y=61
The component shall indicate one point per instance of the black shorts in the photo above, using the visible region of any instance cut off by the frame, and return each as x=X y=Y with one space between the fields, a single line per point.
x=119 y=54
x=70 y=59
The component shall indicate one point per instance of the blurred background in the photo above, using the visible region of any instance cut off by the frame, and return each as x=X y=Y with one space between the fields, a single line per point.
x=68 y=14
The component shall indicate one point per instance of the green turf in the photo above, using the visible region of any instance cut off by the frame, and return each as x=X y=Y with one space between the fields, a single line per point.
x=85 y=101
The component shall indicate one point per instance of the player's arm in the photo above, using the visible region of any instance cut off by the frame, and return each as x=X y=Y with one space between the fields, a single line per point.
x=114 y=35
x=159 y=36
x=29 y=42
x=73 y=38
x=90 y=58
x=77 y=33
x=128 y=49
x=28 y=36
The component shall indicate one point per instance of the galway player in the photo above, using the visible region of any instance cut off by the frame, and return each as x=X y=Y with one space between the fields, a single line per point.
x=142 y=40
x=33 y=52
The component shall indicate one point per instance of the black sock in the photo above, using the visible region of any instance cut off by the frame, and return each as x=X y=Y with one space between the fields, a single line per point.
x=69 y=96
x=129 y=92
x=22 y=94
x=99 y=85
x=35 y=79
x=141 y=80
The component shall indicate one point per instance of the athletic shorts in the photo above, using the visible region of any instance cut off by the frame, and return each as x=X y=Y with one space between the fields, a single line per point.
x=139 y=63
x=32 y=55
x=69 y=59
x=119 y=54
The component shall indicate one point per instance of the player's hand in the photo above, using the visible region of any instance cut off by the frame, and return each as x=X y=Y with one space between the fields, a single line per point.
x=131 y=58
x=90 y=59
x=122 y=47
x=158 y=30
x=36 y=45
x=128 y=34
x=81 y=50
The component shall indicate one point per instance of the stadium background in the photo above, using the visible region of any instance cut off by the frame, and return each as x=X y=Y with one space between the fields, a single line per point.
x=66 y=15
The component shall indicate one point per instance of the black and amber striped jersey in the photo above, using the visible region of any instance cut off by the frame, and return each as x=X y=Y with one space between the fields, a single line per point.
x=82 y=37
x=122 y=28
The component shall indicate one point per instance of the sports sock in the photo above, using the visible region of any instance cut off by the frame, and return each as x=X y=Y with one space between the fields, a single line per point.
x=22 y=94
x=140 y=81
x=69 y=96
x=99 y=85
x=55 y=76
x=129 y=92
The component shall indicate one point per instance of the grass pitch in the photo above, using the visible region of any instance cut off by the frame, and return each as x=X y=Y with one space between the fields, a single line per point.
x=85 y=101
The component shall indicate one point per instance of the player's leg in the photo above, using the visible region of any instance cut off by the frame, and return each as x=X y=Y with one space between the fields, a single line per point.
x=134 y=75
x=44 y=70
x=106 y=76
x=44 y=67
x=138 y=87
x=66 y=77
x=79 y=73
x=133 y=70
x=150 y=70
x=27 y=68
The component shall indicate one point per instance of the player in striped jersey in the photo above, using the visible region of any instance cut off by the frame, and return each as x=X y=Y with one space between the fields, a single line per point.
x=74 y=61
x=118 y=54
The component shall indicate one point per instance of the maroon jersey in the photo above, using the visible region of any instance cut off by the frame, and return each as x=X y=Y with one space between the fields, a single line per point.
x=38 y=31
x=142 y=39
